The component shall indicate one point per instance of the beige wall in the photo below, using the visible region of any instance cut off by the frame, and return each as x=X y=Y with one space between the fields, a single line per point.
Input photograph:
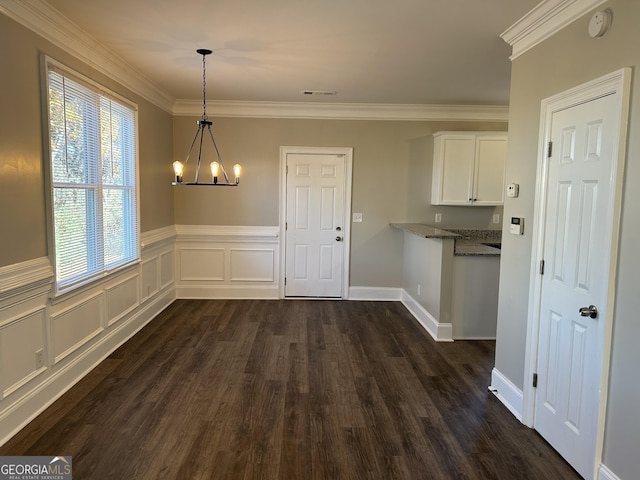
x=567 y=59
x=22 y=205
x=391 y=181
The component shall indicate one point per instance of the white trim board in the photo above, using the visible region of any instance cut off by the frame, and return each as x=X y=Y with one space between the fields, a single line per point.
x=344 y=111
x=604 y=473
x=155 y=237
x=546 y=19
x=14 y=278
x=505 y=391
x=376 y=294
x=441 y=332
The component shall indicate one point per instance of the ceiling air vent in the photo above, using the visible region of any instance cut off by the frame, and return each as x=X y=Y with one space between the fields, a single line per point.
x=319 y=92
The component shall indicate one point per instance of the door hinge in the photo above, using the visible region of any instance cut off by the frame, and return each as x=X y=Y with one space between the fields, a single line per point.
x=535 y=380
x=541 y=267
x=286 y=225
x=286 y=170
x=549 y=149
x=285 y=280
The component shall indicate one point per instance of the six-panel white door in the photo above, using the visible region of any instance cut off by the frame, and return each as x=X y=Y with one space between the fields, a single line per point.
x=577 y=233
x=314 y=225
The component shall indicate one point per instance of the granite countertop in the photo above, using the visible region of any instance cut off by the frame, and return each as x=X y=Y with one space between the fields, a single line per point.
x=468 y=241
x=426 y=231
x=465 y=247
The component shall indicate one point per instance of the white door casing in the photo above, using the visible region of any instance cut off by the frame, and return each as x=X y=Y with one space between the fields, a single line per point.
x=576 y=234
x=315 y=214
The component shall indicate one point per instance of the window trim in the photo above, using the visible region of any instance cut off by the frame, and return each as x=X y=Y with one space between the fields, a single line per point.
x=73 y=287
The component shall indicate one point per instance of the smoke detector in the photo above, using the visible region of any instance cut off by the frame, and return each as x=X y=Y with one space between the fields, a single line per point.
x=600 y=23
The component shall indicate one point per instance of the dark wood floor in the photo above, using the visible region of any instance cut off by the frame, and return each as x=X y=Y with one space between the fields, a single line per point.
x=289 y=390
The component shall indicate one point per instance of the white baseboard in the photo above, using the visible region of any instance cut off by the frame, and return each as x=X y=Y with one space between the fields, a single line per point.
x=605 y=474
x=375 y=293
x=510 y=395
x=473 y=338
x=226 y=292
x=26 y=408
x=441 y=332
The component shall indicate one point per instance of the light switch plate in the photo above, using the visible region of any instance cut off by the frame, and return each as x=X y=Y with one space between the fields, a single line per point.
x=438 y=217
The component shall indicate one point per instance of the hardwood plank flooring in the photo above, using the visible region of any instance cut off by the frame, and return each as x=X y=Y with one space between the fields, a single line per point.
x=296 y=389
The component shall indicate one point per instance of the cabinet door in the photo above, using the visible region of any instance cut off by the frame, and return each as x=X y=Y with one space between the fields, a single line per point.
x=456 y=174
x=488 y=185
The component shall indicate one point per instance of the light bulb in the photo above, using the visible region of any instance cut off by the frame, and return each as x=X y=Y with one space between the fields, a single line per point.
x=237 y=170
x=178 y=169
x=215 y=168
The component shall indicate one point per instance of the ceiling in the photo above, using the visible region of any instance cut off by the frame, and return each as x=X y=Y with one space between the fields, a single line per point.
x=368 y=51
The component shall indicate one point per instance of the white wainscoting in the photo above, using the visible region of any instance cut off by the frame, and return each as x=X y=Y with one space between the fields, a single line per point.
x=76 y=324
x=227 y=262
x=47 y=345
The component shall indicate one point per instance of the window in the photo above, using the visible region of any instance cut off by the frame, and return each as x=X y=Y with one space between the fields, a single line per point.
x=92 y=140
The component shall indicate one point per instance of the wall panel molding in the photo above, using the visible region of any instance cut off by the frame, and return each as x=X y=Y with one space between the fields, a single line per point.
x=122 y=298
x=76 y=324
x=227 y=261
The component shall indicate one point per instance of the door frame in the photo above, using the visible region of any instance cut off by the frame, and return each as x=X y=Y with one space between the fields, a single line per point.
x=346 y=229
x=617 y=83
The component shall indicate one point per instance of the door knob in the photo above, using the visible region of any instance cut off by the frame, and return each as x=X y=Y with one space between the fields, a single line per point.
x=338 y=239
x=338 y=229
x=590 y=311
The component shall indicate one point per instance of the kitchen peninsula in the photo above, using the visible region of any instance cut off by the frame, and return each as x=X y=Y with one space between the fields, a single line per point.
x=450 y=280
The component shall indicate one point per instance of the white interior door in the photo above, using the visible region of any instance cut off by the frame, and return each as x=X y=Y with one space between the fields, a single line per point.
x=577 y=255
x=315 y=224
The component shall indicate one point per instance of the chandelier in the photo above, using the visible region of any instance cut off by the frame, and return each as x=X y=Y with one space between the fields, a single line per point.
x=216 y=167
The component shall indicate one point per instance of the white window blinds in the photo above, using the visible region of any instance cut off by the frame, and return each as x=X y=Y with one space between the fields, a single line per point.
x=93 y=179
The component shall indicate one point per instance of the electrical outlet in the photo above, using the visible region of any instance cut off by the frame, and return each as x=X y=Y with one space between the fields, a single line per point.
x=357 y=218
x=39 y=359
x=438 y=217
x=418 y=289
x=496 y=218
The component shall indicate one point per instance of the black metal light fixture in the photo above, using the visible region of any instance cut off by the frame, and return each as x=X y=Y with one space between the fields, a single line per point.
x=204 y=123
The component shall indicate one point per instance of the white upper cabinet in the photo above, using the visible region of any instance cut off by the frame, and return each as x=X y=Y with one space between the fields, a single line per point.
x=468 y=168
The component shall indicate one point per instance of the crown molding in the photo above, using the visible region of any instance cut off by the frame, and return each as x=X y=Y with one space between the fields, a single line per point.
x=547 y=18
x=343 y=111
x=41 y=18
